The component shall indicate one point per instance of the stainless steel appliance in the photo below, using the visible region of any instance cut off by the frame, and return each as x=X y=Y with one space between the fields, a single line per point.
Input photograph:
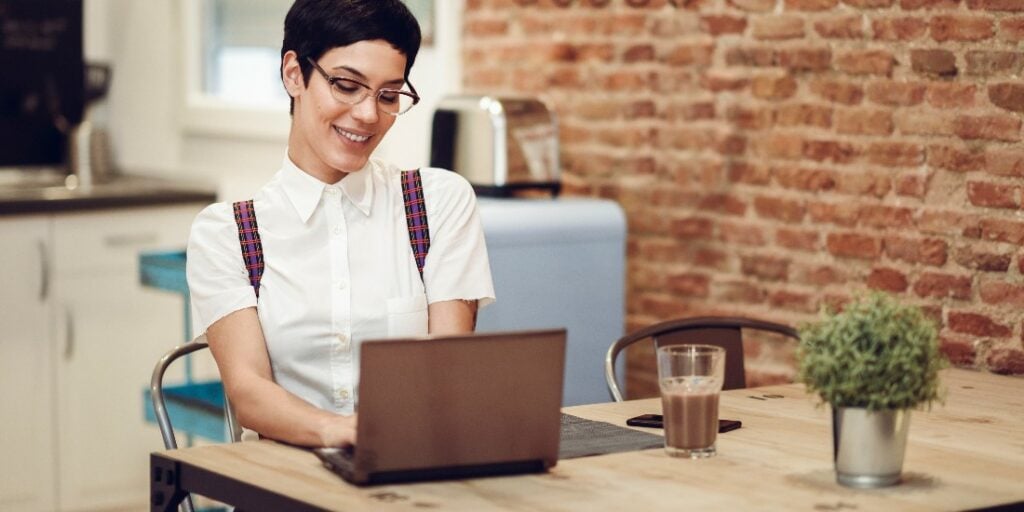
x=500 y=144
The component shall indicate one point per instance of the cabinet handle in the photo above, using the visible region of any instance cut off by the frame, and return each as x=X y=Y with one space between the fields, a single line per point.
x=130 y=239
x=44 y=277
x=69 y=334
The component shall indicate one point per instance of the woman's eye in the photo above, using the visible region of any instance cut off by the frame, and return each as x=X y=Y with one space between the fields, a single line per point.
x=346 y=87
x=389 y=97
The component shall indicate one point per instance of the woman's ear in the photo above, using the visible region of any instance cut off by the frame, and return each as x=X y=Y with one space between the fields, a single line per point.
x=291 y=74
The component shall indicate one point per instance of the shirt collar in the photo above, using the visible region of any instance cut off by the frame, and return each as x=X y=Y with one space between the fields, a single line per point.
x=304 y=191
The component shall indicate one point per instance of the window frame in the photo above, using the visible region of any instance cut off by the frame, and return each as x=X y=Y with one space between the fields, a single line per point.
x=203 y=114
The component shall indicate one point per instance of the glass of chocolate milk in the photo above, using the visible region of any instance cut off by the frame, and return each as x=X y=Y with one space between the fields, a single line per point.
x=690 y=377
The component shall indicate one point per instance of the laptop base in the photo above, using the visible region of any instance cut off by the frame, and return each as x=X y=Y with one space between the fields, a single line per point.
x=337 y=463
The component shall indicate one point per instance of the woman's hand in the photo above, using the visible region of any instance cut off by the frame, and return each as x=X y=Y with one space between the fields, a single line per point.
x=338 y=431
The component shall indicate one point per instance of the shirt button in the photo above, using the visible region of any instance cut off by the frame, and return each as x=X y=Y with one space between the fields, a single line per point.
x=343 y=394
x=343 y=342
x=341 y=285
x=332 y=191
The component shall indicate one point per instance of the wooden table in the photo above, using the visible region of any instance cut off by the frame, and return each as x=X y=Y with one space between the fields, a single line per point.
x=968 y=453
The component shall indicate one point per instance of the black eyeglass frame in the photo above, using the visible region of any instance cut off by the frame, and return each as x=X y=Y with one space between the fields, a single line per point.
x=331 y=80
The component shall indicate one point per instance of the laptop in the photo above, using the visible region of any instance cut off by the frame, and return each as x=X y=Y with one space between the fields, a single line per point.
x=461 y=406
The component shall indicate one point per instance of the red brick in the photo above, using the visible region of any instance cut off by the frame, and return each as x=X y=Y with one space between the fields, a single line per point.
x=818 y=275
x=690 y=285
x=710 y=258
x=960 y=351
x=993 y=63
x=638 y=53
x=868 y=4
x=862 y=183
x=996 y=5
x=779 y=145
x=804 y=179
x=698 y=54
x=753 y=5
x=792 y=301
x=741 y=233
x=1006 y=361
x=842 y=214
x=776 y=27
x=1009 y=96
x=977 y=259
x=840 y=27
x=805 y=59
x=723 y=24
x=887 y=279
x=934 y=62
x=686 y=111
x=940 y=286
x=888 y=92
x=951 y=95
x=960 y=159
x=988 y=127
x=745 y=172
x=485 y=27
x=773 y=87
x=767 y=268
x=885 y=216
x=848 y=93
x=803 y=114
x=756 y=56
x=928 y=251
x=865 y=62
x=718 y=80
x=786 y=210
x=977 y=324
x=854 y=245
x=750 y=118
x=801 y=240
x=905 y=28
x=1002 y=293
x=810 y=5
x=925 y=122
x=835 y=151
x=1000 y=230
x=863 y=121
x=737 y=291
x=622 y=80
x=1011 y=29
x=993 y=195
x=944 y=222
x=912 y=184
x=929 y=4
x=693 y=228
x=961 y=28
x=896 y=154
x=1004 y=162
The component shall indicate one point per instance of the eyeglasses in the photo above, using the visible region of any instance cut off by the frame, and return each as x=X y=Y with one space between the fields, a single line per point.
x=389 y=101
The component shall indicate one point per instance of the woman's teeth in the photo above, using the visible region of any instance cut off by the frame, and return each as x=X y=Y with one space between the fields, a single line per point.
x=351 y=136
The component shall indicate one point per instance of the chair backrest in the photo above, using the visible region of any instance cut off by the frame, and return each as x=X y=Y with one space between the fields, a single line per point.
x=725 y=332
x=156 y=391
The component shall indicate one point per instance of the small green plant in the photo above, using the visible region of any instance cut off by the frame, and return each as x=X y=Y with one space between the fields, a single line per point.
x=876 y=353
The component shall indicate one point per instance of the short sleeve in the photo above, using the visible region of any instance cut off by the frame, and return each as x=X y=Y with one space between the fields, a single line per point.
x=457 y=266
x=217 y=279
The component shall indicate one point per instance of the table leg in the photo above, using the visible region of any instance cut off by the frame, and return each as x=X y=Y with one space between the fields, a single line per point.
x=165 y=492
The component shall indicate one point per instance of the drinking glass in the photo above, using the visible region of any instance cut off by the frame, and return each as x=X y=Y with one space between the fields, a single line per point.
x=690 y=378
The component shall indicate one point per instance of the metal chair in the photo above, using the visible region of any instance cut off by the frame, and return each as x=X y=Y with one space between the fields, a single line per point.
x=725 y=332
x=156 y=391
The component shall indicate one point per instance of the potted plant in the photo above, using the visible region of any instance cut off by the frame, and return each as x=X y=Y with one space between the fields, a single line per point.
x=872 y=362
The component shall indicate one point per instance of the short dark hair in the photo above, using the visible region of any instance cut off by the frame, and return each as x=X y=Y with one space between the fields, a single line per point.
x=314 y=27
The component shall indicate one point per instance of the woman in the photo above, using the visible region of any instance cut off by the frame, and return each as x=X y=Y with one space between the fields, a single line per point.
x=338 y=265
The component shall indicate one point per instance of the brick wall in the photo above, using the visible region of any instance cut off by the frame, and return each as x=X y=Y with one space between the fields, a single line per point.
x=776 y=155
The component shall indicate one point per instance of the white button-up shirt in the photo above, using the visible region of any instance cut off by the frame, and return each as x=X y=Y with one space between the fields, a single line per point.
x=338 y=269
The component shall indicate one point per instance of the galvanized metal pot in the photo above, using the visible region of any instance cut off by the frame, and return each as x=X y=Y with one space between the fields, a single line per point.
x=869 y=445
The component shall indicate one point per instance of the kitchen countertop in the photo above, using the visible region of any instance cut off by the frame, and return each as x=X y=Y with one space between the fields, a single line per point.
x=48 y=193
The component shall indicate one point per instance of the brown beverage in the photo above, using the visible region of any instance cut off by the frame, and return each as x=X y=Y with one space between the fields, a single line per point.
x=691 y=419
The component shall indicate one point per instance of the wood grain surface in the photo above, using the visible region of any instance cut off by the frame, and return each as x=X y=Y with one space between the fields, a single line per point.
x=967 y=453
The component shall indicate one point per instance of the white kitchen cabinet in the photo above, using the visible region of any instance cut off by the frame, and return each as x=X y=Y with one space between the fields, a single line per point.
x=27 y=479
x=101 y=334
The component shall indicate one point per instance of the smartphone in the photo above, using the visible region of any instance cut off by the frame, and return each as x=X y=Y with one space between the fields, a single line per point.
x=656 y=421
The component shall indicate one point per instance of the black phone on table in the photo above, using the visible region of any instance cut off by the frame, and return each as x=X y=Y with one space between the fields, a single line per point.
x=657 y=421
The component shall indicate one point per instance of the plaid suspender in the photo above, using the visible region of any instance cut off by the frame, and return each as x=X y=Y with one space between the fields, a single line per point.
x=249 y=238
x=415 y=219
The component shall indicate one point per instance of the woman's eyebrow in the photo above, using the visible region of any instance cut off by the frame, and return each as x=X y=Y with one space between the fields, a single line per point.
x=357 y=73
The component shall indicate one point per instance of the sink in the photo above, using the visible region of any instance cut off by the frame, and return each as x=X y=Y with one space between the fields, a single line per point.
x=54 y=184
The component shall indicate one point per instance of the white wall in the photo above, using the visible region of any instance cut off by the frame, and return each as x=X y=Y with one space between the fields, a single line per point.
x=142 y=39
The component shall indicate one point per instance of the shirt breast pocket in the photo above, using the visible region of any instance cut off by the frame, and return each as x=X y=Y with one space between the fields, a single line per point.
x=407 y=316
